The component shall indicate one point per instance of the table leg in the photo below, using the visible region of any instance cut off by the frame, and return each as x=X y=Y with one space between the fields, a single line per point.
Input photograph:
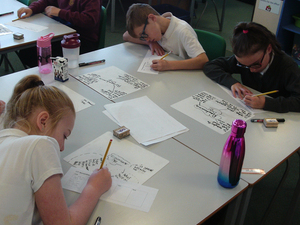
x=237 y=209
x=113 y=11
x=222 y=16
x=192 y=11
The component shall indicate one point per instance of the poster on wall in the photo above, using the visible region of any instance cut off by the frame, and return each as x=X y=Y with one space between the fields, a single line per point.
x=272 y=6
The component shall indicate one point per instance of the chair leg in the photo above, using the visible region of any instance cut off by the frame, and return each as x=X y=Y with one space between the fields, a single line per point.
x=122 y=7
x=276 y=192
x=6 y=62
x=295 y=199
x=107 y=5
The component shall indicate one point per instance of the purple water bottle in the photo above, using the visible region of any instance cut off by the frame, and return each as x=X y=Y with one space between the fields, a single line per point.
x=233 y=156
x=44 y=53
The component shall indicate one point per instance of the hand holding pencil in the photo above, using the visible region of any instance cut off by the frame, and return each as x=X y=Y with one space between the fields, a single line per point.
x=257 y=101
x=160 y=64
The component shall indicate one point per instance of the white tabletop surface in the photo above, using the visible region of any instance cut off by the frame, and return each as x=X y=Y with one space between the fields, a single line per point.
x=265 y=147
x=188 y=189
x=8 y=43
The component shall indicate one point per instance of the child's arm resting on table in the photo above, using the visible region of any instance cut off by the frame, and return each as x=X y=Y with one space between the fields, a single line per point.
x=154 y=46
x=187 y=64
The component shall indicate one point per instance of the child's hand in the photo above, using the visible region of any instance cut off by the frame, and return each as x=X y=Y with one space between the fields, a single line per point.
x=26 y=10
x=52 y=11
x=155 y=47
x=160 y=65
x=100 y=181
x=240 y=91
x=2 y=106
x=255 y=102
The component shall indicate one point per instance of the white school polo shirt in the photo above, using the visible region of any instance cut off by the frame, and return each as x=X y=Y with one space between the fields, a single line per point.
x=180 y=38
x=26 y=161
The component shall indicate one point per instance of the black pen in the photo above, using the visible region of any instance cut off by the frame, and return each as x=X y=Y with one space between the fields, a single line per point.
x=8 y=13
x=91 y=63
x=280 y=120
x=98 y=221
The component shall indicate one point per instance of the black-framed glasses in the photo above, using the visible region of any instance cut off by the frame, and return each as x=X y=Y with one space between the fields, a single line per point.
x=256 y=65
x=144 y=35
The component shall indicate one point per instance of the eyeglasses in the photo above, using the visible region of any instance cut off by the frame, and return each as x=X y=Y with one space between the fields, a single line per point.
x=254 y=65
x=144 y=35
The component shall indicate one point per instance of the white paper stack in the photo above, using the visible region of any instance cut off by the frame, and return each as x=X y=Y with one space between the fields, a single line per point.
x=147 y=122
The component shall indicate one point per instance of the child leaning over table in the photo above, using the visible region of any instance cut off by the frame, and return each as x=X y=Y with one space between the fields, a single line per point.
x=38 y=120
x=164 y=33
x=262 y=65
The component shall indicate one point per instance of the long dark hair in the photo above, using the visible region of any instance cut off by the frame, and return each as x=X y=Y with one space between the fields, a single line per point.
x=249 y=38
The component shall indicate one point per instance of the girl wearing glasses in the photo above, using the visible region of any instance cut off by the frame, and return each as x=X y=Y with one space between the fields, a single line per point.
x=262 y=65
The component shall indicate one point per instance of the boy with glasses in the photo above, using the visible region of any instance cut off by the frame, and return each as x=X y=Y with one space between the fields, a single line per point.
x=263 y=66
x=164 y=33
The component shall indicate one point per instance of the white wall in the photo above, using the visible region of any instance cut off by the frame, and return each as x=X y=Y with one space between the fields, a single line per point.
x=268 y=19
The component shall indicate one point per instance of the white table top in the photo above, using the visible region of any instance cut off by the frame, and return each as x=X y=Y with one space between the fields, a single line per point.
x=188 y=189
x=8 y=43
x=265 y=147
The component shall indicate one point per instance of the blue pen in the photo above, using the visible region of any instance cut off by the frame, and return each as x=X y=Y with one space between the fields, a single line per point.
x=98 y=221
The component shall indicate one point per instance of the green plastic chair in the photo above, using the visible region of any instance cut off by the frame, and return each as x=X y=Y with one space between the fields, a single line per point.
x=27 y=2
x=213 y=44
x=102 y=28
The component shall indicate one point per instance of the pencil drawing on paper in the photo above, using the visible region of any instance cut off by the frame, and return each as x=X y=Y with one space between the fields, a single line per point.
x=215 y=113
x=125 y=160
x=112 y=82
x=119 y=167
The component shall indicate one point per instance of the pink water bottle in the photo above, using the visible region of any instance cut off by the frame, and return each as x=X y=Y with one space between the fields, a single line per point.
x=233 y=155
x=44 y=53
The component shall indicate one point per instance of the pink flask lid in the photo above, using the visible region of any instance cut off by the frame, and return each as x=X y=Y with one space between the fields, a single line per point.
x=45 y=41
x=71 y=41
x=239 y=127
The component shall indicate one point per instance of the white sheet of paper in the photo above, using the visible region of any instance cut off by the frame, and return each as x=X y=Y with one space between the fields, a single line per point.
x=78 y=100
x=4 y=30
x=147 y=62
x=147 y=122
x=125 y=160
x=128 y=194
x=241 y=102
x=212 y=111
x=112 y=82
x=27 y=26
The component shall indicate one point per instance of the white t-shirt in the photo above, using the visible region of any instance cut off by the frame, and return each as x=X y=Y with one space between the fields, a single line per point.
x=26 y=161
x=180 y=38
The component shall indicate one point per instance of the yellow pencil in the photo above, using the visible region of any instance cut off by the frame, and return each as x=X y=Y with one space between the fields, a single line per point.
x=166 y=55
x=105 y=154
x=16 y=19
x=266 y=93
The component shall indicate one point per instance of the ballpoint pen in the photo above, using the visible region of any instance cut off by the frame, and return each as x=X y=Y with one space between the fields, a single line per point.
x=8 y=13
x=91 y=63
x=98 y=221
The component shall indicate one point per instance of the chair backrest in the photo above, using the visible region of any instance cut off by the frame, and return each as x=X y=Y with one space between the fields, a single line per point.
x=213 y=44
x=102 y=28
x=27 y=2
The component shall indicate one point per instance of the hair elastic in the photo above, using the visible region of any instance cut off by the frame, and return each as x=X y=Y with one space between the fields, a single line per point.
x=245 y=31
x=40 y=83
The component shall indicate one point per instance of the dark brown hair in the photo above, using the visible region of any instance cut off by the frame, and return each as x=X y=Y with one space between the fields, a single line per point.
x=249 y=38
x=137 y=15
